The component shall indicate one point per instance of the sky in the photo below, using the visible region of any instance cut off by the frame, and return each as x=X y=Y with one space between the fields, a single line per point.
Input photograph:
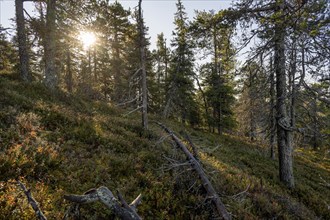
x=158 y=14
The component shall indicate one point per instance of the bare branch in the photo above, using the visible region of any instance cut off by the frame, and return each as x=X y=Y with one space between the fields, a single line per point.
x=136 y=202
x=128 y=102
x=134 y=110
x=32 y=201
x=240 y=193
x=104 y=195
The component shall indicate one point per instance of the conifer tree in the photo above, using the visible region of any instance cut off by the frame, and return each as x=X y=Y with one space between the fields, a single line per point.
x=8 y=54
x=253 y=118
x=180 y=88
x=213 y=35
x=161 y=66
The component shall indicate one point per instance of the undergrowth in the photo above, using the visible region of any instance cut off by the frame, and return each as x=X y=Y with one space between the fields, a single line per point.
x=60 y=144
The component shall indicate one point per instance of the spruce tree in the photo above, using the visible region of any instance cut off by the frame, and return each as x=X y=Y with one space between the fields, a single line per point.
x=180 y=101
x=213 y=37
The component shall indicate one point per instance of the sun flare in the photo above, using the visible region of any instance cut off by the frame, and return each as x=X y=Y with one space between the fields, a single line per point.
x=87 y=39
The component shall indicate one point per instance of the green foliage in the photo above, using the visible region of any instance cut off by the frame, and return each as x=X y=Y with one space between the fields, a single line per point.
x=59 y=144
x=8 y=55
x=180 y=98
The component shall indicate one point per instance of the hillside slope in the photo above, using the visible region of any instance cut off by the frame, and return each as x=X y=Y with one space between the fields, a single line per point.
x=58 y=144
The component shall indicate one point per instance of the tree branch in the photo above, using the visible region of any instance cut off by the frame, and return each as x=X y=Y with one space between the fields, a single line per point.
x=32 y=202
x=212 y=194
x=104 y=195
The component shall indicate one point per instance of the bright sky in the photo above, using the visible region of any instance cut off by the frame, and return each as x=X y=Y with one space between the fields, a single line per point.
x=158 y=14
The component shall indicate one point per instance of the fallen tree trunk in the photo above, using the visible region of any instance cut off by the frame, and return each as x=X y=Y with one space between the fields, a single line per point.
x=104 y=195
x=198 y=168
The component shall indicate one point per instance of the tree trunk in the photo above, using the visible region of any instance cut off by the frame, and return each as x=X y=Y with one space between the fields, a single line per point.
x=205 y=103
x=143 y=68
x=69 y=80
x=95 y=64
x=272 y=112
x=315 y=124
x=116 y=68
x=51 y=78
x=293 y=87
x=252 y=108
x=89 y=65
x=22 y=42
x=283 y=132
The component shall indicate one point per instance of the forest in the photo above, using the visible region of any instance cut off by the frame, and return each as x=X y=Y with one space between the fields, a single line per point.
x=228 y=119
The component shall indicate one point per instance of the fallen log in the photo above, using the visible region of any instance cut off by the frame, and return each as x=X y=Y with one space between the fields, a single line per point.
x=212 y=194
x=104 y=195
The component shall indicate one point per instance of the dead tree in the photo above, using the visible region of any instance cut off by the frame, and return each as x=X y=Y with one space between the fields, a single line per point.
x=198 y=168
x=143 y=68
x=104 y=195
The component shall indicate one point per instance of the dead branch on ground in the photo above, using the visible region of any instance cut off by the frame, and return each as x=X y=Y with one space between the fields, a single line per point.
x=32 y=201
x=104 y=195
x=212 y=194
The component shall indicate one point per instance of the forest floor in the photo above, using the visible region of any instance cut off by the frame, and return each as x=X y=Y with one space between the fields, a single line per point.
x=60 y=144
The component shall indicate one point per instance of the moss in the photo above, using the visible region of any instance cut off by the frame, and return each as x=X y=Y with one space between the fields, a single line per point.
x=59 y=143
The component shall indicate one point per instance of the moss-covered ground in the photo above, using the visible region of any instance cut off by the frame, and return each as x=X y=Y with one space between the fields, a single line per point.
x=59 y=144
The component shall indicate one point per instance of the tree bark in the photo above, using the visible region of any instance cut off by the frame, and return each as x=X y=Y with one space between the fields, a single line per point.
x=283 y=132
x=69 y=80
x=95 y=63
x=51 y=77
x=143 y=68
x=272 y=112
x=104 y=195
x=22 y=42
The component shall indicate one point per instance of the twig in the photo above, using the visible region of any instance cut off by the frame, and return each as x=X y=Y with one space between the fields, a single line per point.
x=32 y=201
x=163 y=138
x=240 y=193
x=132 y=111
x=125 y=205
x=174 y=164
x=136 y=202
x=325 y=183
x=130 y=101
